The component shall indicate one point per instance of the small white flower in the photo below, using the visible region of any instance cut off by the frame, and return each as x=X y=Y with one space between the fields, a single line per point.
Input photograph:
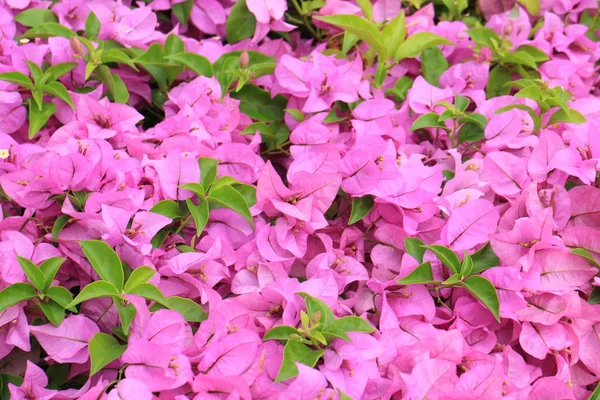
x=4 y=154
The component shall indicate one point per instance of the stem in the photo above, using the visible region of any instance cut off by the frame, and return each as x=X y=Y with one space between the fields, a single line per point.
x=184 y=224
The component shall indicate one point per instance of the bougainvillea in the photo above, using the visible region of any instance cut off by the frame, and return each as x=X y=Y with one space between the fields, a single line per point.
x=326 y=199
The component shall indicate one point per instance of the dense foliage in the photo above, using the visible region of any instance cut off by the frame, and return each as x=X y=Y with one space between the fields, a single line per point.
x=340 y=199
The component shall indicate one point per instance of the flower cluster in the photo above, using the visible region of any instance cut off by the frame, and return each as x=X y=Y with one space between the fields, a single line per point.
x=261 y=199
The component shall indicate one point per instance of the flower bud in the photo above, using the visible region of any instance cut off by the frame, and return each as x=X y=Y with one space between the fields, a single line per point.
x=244 y=60
x=77 y=47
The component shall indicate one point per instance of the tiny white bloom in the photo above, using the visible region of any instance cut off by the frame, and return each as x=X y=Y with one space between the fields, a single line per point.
x=4 y=154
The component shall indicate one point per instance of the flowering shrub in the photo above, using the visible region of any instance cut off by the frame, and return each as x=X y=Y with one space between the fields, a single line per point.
x=326 y=199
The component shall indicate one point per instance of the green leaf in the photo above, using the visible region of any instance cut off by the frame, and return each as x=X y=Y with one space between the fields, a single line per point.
x=228 y=197
x=484 y=291
x=120 y=93
x=126 y=314
x=258 y=104
x=5 y=379
x=168 y=208
x=454 y=279
x=351 y=323
x=15 y=293
x=294 y=352
x=92 y=26
x=363 y=29
x=38 y=97
x=536 y=54
x=499 y=75
x=35 y=16
x=117 y=55
x=104 y=349
x=138 y=276
x=485 y=37
x=361 y=206
x=296 y=114
x=415 y=248
x=248 y=192
x=594 y=297
x=281 y=332
x=183 y=10
x=532 y=6
x=462 y=102
x=333 y=333
x=420 y=275
x=95 y=290
x=587 y=255
x=62 y=296
x=33 y=273
x=195 y=188
x=466 y=268
x=313 y=305
x=475 y=119
x=59 y=224
x=430 y=120
x=484 y=258
x=367 y=8
x=53 y=311
x=190 y=310
x=344 y=396
x=433 y=65
x=38 y=118
x=208 y=171
x=349 y=42
x=49 y=29
x=199 y=213
x=105 y=261
x=520 y=58
x=59 y=90
x=49 y=269
x=149 y=292
x=57 y=70
x=17 y=78
x=470 y=132
x=394 y=32
x=446 y=256
x=416 y=43
x=570 y=116
x=241 y=23
x=195 y=62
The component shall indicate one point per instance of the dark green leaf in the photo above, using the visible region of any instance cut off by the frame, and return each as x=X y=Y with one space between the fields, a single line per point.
x=433 y=65
x=484 y=291
x=36 y=277
x=257 y=104
x=417 y=42
x=38 y=118
x=104 y=349
x=183 y=10
x=420 y=275
x=470 y=132
x=430 y=120
x=594 y=297
x=35 y=16
x=415 y=248
x=361 y=206
x=15 y=293
x=195 y=62
x=281 y=332
x=95 y=290
x=294 y=352
x=241 y=23
x=105 y=261
x=59 y=224
x=499 y=75
x=138 y=276
x=57 y=70
x=5 y=379
x=446 y=256
x=168 y=208
x=462 y=102
x=208 y=171
x=61 y=296
x=484 y=258
x=466 y=268
x=92 y=26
